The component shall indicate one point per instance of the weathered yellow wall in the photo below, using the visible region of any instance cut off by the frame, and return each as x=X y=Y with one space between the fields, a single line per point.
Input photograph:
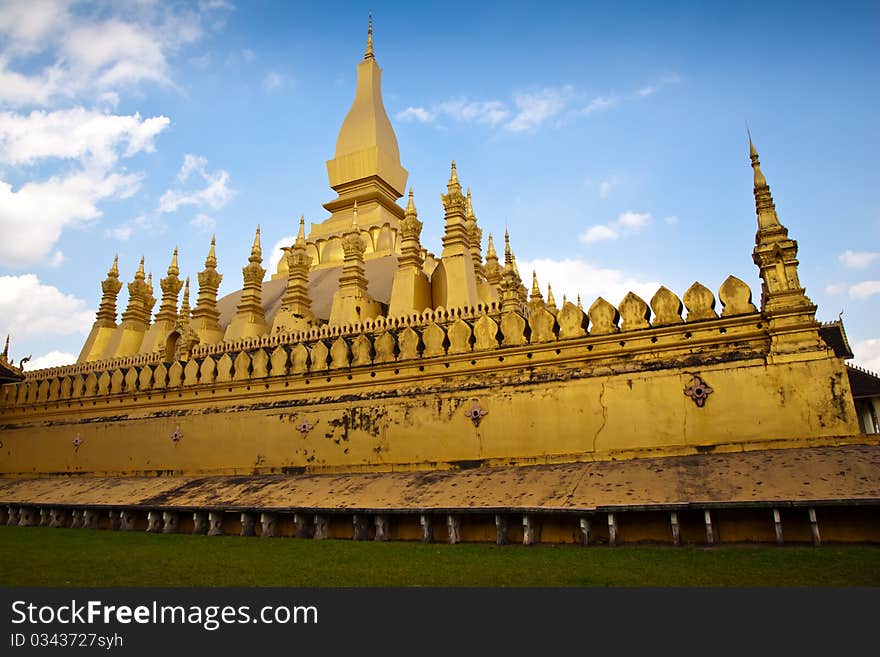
x=615 y=396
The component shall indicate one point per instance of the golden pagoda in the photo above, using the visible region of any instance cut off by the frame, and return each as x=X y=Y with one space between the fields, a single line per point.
x=369 y=389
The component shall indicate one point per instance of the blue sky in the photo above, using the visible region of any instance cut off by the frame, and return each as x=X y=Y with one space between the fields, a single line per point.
x=608 y=137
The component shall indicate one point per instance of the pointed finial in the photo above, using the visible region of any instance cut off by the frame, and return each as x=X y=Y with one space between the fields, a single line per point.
x=184 y=305
x=536 y=290
x=490 y=250
x=508 y=254
x=760 y=180
x=564 y=299
x=368 y=54
x=469 y=212
x=410 y=205
x=6 y=348
x=550 y=300
x=354 y=215
x=301 y=234
x=453 y=177
x=139 y=274
x=173 y=269
x=256 y=249
x=114 y=268
x=753 y=152
x=150 y=281
x=211 y=260
x=579 y=303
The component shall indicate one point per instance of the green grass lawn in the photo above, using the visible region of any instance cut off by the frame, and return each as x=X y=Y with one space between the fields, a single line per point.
x=36 y=556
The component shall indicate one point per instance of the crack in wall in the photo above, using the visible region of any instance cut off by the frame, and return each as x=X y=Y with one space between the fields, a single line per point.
x=604 y=416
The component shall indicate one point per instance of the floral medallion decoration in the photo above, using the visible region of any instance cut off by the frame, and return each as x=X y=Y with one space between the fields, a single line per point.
x=304 y=426
x=176 y=435
x=77 y=441
x=475 y=413
x=698 y=390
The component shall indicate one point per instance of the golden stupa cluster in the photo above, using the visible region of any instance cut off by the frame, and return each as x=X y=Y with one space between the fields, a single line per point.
x=324 y=278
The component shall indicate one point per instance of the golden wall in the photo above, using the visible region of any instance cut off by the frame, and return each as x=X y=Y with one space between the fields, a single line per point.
x=441 y=389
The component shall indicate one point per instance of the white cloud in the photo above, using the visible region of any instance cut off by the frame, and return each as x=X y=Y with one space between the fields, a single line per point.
x=56 y=260
x=272 y=81
x=121 y=233
x=598 y=233
x=419 y=114
x=663 y=81
x=533 y=109
x=605 y=186
x=69 y=54
x=864 y=289
x=573 y=276
x=671 y=220
x=248 y=55
x=37 y=212
x=600 y=103
x=203 y=222
x=626 y=223
x=275 y=253
x=634 y=220
x=215 y=194
x=858 y=259
x=52 y=359
x=867 y=354
x=835 y=288
x=190 y=164
x=29 y=307
x=488 y=112
x=75 y=134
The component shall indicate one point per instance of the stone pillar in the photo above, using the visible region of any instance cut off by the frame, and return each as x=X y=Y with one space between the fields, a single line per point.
x=247 y=524
x=58 y=518
x=76 y=519
x=528 y=530
x=585 y=530
x=26 y=516
x=383 y=528
x=269 y=525
x=359 y=527
x=12 y=516
x=676 y=530
x=215 y=523
x=814 y=528
x=777 y=526
x=115 y=520
x=45 y=517
x=321 y=527
x=154 y=522
x=303 y=525
x=427 y=523
x=127 y=520
x=200 y=522
x=453 y=528
x=170 y=522
x=710 y=533
x=500 y=529
x=612 y=530
x=90 y=519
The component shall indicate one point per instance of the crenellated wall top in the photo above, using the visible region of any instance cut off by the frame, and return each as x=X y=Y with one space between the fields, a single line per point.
x=433 y=332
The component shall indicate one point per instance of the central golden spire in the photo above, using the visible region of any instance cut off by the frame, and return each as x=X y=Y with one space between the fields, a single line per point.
x=366 y=165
